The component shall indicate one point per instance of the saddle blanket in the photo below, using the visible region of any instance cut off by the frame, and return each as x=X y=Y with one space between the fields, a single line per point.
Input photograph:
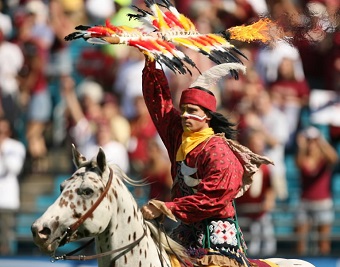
x=259 y=263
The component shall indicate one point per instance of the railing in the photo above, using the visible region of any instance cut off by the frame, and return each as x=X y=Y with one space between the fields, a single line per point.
x=283 y=219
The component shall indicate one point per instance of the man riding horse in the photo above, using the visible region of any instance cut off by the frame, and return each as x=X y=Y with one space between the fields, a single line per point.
x=209 y=171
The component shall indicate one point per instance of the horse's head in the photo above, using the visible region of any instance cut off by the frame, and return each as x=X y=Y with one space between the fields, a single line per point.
x=83 y=208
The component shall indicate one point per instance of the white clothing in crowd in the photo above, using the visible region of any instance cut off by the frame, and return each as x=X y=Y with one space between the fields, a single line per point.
x=87 y=145
x=12 y=157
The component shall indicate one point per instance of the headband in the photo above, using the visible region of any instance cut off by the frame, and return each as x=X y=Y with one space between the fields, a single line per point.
x=198 y=97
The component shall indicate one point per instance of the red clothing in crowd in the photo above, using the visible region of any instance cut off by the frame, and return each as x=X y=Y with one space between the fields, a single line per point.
x=33 y=51
x=316 y=182
x=298 y=89
x=158 y=185
x=142 y=130
x=248 y=199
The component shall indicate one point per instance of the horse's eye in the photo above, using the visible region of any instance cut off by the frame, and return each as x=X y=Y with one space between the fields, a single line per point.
x=84 y=191
x=87 y=192
x=61 y=188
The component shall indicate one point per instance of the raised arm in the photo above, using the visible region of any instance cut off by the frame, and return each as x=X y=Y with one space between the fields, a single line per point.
x=158 y=100
x=71 y=99
x=328 y=151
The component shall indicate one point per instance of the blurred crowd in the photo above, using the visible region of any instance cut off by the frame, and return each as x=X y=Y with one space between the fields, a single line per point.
x=54 y=93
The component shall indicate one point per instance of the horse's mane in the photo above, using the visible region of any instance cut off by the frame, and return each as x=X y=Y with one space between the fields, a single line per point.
x=170 y=245
x=122 y=175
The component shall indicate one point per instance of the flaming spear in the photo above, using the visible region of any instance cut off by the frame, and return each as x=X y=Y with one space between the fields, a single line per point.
x=171 y=29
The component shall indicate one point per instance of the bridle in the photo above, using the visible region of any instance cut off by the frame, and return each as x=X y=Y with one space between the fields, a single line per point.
x=71 y=229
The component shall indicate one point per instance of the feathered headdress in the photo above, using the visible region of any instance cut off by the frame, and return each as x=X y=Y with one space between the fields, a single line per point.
x=212 y=75
x=165 y=29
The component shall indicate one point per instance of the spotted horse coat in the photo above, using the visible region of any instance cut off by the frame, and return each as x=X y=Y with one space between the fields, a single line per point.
x=115 y=223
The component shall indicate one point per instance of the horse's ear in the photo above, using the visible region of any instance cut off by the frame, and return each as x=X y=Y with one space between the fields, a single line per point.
x=78 y=158
x=101 y=160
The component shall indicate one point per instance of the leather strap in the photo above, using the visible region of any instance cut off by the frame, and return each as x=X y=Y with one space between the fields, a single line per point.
x=123 y=250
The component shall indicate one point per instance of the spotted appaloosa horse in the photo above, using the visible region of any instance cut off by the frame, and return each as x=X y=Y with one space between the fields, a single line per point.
x=95 y=202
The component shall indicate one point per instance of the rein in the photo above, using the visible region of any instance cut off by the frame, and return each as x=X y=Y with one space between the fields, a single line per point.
x=123 y=250
x=87 y=214
x=70 y=230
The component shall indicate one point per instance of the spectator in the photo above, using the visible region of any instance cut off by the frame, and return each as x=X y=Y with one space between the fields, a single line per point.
x=158 y=174
x=259 y=6
x=90 y=94
x=332 y=77
x=234 y=12
x=273 y=123
x=315 y=159
x=120 y=126
x=92 y=131
x=157 y=171
x=290 y=95
x=6 y=22
x=238 y=95
x=10 y=64
x=269 y=58
x=60 y=62
x=317 y=24
x=128 y=82
x=76 y=9
x=117 y=152
x=35 y=96
x=99 y=11
x=12 y=156
x=142 y=130
x=41 y=30
x=258 y=202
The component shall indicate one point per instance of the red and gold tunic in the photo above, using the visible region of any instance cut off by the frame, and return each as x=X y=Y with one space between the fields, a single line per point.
x=204 y=189
x=218 y=169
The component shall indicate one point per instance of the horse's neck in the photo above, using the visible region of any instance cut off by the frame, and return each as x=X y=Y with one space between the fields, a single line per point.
x=126 y=227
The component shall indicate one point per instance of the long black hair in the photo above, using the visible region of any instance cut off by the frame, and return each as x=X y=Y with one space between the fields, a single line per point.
x=218 y=122
x=221 y=124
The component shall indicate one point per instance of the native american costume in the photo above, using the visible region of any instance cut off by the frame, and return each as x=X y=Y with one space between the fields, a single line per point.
x=209 y=172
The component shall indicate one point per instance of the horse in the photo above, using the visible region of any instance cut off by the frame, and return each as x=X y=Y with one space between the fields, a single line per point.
x=95 y=202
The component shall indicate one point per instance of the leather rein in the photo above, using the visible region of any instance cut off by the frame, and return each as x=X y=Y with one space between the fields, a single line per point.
x=71 y=229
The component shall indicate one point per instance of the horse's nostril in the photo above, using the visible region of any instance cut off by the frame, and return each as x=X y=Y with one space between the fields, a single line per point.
x=45 y=231
x=40 y=232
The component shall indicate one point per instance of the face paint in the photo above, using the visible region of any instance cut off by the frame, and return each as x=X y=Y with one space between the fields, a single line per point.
x=187 y=114
x=193 y=117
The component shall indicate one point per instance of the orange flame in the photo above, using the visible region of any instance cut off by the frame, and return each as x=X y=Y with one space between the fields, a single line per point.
x=264 y=30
